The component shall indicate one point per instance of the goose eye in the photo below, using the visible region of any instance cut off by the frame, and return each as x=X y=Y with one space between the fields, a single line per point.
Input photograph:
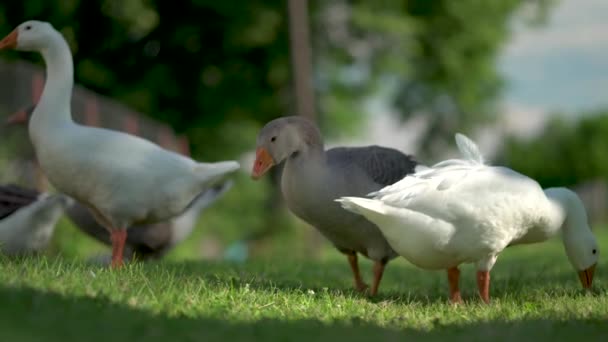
x=273 y=139
x=594 y=251
x=28 y=27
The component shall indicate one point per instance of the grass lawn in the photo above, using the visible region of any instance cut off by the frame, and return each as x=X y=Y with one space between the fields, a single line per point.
x=535 y=295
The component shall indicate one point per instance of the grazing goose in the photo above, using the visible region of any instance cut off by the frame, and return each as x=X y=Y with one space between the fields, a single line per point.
x=123 y=179
x=464 y=211
x=28 y=218
x=312 y=178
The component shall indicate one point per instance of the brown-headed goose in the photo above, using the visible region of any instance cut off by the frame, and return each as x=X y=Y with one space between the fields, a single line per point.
x=313 y=178
x=123 y=179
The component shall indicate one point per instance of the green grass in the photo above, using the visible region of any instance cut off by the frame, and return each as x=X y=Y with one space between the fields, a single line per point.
x=535 y=295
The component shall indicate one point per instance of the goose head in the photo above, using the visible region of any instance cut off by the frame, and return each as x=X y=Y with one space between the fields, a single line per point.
x=586 y=253
x=581 y=246
x=283 y=138
x=32 y=35
x=583 y=252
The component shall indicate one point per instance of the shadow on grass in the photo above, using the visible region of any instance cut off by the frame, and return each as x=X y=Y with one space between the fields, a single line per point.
x=32 y=315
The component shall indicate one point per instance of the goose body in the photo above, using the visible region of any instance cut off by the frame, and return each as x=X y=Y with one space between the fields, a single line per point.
x=310 y=186
x=125 y=170
x=313 y=177
x=123 y=179
x=28 y=219
x=464 y=211
x=436 y=237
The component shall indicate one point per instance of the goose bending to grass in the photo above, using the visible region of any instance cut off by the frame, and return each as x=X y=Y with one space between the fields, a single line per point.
x=313 y=177
x=464 y=211
x=123 y=179
x=28 y=218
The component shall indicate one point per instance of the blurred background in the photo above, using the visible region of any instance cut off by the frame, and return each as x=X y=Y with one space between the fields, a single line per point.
x=525 y=78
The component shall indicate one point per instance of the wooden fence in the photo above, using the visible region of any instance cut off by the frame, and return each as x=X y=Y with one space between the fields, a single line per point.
x=21 y=85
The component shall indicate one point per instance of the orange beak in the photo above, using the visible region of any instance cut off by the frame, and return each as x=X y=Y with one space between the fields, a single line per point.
x=263 y=162
x=18 y=118
x=10 y=41
x=586 y=276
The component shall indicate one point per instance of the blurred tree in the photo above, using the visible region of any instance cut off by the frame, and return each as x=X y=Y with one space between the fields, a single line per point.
x=200 y=66
x=435 y=58
x=216 y=70
x=566 y=153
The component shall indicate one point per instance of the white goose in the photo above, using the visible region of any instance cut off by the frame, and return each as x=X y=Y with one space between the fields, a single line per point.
x=123 y=179
x=28 y=219
x=463 y=211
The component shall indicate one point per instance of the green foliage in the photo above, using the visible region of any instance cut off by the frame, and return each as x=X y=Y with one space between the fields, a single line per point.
x=536 y=296
x=436 y=57
x=216 y=71
x=198 y=66
x=566 y=153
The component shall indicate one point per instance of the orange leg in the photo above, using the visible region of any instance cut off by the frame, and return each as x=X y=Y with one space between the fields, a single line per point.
x=483 y=283
x=354 y=266
x=453 y=278
x=118 y=238
x=378 y=272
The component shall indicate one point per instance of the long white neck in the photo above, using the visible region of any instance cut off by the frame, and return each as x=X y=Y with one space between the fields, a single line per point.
x=54 y=105
x=568 y=211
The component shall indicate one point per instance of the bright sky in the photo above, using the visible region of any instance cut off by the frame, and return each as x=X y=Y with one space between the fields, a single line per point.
x=562 y=65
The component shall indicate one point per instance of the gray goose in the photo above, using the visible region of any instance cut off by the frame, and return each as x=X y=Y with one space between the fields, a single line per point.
x=313 y=178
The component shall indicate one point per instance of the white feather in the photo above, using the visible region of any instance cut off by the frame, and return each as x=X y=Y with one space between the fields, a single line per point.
x=468 y=149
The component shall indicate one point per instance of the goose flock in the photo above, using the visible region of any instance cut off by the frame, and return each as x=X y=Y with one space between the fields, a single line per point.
x=373 y=201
